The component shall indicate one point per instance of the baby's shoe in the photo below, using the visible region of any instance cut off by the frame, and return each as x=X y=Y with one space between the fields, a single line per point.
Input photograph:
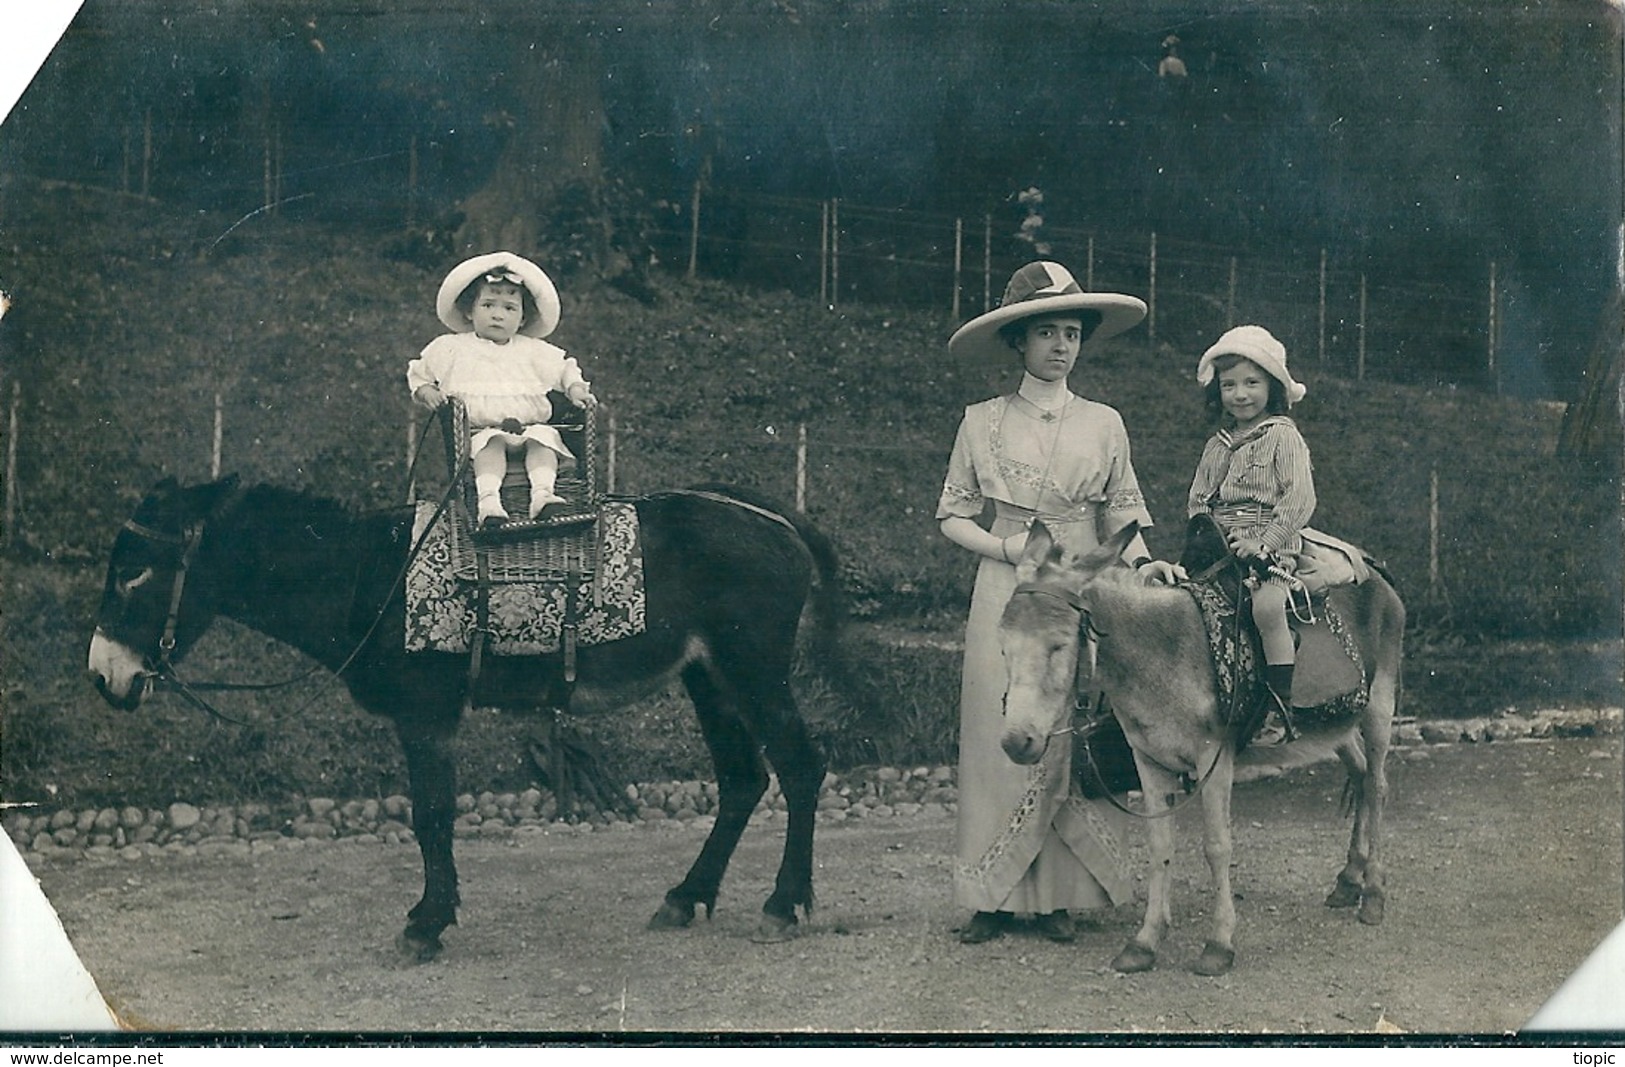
x=491 y=511
x=540 y=498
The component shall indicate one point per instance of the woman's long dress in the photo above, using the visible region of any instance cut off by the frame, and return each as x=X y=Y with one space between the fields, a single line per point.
x=1025 y=841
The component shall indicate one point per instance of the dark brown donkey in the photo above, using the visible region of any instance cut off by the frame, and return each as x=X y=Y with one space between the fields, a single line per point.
x=726 y=582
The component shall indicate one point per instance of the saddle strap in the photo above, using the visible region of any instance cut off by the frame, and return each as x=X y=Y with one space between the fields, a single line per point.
x=482 y=617
x=568 y=636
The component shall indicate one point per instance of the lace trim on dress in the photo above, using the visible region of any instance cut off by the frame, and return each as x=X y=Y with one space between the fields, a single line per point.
x=1104 y=834
x=1126 y=500
x=1031 y=804
x=969 y=494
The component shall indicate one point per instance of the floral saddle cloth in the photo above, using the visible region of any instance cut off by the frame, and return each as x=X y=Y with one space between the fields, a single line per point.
x=1330 y=676
x=591 y=575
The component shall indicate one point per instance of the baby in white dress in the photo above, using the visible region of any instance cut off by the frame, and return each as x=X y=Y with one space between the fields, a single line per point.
x=500 y=306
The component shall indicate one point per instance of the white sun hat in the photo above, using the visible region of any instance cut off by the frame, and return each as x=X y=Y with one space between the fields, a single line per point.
x=1260 y=346
x=499 y=267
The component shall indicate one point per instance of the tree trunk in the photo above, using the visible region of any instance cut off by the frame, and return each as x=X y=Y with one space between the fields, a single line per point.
x=552 y=102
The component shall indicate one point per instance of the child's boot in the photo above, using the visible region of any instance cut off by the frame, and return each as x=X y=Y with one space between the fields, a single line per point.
x=490 y=463
x=491 y=511
x=542 y=467
x=1277 y=728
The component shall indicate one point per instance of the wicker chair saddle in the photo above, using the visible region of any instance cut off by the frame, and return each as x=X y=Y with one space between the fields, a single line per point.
x=577 y=482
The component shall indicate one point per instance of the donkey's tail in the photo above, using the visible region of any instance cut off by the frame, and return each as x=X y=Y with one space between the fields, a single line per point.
x=826 y=601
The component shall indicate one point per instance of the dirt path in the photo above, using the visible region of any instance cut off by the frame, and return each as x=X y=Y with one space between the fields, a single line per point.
x=1505 y=872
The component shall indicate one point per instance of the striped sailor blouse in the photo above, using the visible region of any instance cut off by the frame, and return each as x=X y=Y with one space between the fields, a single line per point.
x=1261 y=481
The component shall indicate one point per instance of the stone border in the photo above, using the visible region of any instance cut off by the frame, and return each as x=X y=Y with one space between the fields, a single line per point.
x=248 y=830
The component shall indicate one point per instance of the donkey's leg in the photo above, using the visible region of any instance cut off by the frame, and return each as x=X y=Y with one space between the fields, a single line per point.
x=1219 y=954
x=1346 y=891
x=433 y=775
x=741 y=781
x=800 y=767
x=1156 y=786
x=1376 y=732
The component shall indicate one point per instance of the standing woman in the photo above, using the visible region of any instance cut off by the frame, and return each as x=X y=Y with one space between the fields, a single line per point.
x=1025 y=842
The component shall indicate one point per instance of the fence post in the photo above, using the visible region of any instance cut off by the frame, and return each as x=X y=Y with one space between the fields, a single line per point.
x=219 y=434
x=412 y=182
x=265 y=168
x=124 y=175
x=1230 y=305
x=823 y=255
x=1495 y=372
x=1359 y=369
x=1151 y=302
x=146 y=155
x=411 y=454
x=609 y=458
x=959 y=259
x=987 y=262
x=1322 y=307
x=1089 y=266
x=10 y=532
x=1433 y=531
x=694 y=229
x=801 y=467
x=834 y=252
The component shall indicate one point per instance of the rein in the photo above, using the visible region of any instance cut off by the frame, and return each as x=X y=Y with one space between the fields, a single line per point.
x=168 y=679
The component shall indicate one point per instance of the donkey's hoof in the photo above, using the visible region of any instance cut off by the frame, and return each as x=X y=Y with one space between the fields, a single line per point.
x=417 y=946
x=671 y=917
x=1134 y=959
x=1215 y=960
x=1371 y=908
x=773 y=930
x=1345 y=894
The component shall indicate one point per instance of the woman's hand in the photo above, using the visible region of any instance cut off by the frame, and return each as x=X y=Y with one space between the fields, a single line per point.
x=1161 y=572
x=430 y=397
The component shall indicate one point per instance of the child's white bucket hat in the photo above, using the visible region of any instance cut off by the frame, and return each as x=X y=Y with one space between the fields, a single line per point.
x=499 y=267
x=1043 y=288
x=1260 y=346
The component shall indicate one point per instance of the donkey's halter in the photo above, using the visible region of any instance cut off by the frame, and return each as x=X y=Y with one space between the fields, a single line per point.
x=187 y=541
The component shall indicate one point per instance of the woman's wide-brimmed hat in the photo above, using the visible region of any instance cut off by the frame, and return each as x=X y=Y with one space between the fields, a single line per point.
x=1043 y=288
x=499 y=267
x=1260 y=346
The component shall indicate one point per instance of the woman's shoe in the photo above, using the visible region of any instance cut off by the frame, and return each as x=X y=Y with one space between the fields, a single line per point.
x=1057 y=926
x=983 y=926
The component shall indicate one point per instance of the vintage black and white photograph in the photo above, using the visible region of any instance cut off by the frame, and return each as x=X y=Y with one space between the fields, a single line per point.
x=1096 y=521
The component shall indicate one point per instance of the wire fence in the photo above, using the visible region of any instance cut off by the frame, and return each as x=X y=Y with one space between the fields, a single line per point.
x=1341 y=314
x=1338 y=316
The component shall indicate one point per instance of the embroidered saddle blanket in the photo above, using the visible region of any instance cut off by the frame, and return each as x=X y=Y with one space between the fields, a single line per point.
x=529 y=584
x=1330 y=676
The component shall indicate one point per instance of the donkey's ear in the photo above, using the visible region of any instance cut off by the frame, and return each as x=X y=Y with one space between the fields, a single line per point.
x=1120 y=540
x=207 y=499
x=1041 y=548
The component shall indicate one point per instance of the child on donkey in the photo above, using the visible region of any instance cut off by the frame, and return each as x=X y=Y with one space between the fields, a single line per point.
x=1256 y=480
x=500 y=306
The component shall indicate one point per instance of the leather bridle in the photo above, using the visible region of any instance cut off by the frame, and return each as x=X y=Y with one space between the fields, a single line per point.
x=1086 y=630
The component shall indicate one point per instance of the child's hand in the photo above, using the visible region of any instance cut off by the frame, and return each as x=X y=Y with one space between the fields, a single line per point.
x=429 y=396
x=581 y=396
x=1249 y=548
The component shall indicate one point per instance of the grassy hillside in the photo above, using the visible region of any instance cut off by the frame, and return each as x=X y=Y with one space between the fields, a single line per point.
x=130 y=318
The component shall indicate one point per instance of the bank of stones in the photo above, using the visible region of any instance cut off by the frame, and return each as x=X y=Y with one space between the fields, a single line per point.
x=132 y=832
